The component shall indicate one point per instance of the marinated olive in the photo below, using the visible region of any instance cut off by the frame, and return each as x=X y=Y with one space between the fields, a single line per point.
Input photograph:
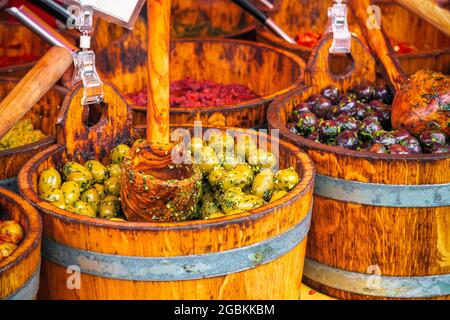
x=84 y=179
x=112 y=186
x=401 y=135
x=107 y=211
x=384 y=94
x=378 y=148
x=301 y=107
x=278 y=195
x=347 y=122
x=119 y=153
x=100 y=189
x=365 y=91
x=360 y=111
x=84 y=209
x=54 y=196
x=241 y=176
x=216 y=175
x=384 y=116
x=348 y=139
x=98 y=171
x=332 y=93
x=71 y=191
x=11 y=232
x=346 y=106
x=311 y=101
x=112 y=200
x=263 y=184
x=71 y=167
x=328 y=130
x=231 y=161
x=49 y=180
x=440 y=149
x=376 y=104
x=7 y=249
x=91 y=197
x=369 y=129
x=385 y=138
x=412 y=144
x=209 y=206
x=314 y=137
x=430 y=139
x=399 y=149
x=245 y=147
x=286 y=179
x=322 y=107
x=114 y=170
x=208 y=160
x=263 y=159
x=230 y=199
x=248 y=202
x=307 y=123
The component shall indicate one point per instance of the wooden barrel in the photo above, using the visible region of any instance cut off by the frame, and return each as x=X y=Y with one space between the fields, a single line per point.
x=254 y=255
x=381 y=223
x=303 y=16
x=18 y=41
x=19 y=273
x=268 y=71
x=43 y=116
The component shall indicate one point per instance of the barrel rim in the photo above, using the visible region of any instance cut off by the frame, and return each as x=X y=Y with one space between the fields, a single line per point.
x=274 y=121
x=295 y=59
x=33 y=230
x=304 y=187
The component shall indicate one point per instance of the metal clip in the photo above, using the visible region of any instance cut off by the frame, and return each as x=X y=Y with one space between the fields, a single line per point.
x=337 y=14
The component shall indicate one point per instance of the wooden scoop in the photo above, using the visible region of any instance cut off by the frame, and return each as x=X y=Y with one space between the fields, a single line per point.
x=423 y=101
x=36 y=83
x=153 y=188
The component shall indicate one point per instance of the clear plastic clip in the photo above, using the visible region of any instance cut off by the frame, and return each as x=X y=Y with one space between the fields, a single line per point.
x=85 y=69
x=337 y=14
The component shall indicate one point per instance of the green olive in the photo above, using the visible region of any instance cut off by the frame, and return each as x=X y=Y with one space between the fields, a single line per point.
x=84 y=179
x=7 y=249
x=241 y=176
x=112 y=186
x=84 y=209
x=49 y=180
x=249 y=202
x=215 y=176
x=196 y=146
x=73 y=166
x=286 y=179
x=278 y=195
x=71 y=191
x=54 y=196
x=101 y=190
x=263 y=159
x=263 y=184
x=230 y=161
x=11 y=232
x=229 y=199
x=91 y=197
x=98 y=171
x=208 y=161
x=209 y=205
x=112 y=200
x=119 y=153
x=115 y=170
x=245 y=146
x=107 y=211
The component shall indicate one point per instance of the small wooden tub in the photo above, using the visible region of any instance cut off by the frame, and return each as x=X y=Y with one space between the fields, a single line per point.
x=18 y=41
x=43 y=116
x=254 y=255
x=19 y=273
x=268 y=71
x=302 y=16
x=381 y=223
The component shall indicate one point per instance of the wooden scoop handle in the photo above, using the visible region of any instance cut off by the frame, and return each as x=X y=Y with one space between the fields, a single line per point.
x=37 y=82
x=158 y=12
x=379 y=44
x=430 y=11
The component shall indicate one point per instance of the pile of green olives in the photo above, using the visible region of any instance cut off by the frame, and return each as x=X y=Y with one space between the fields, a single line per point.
x=232 y=183
x=11 y=234
x=92 y=189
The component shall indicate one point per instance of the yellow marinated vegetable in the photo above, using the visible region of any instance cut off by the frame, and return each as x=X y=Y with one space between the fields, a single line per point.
x=11 y=234
x=71 y=191
x=112 y=186
x=49 y=180
x=286 y=179
x=119 y=153
x=98 y=171
x=263 y=184
x=21 y=134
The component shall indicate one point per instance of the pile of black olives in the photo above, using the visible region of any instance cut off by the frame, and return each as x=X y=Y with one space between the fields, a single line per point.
x=360 y=120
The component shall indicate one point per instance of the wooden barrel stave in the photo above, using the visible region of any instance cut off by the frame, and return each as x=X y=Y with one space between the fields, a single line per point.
x=169 y=241
x=43 y=116
x=434 y=48
x=19 y=273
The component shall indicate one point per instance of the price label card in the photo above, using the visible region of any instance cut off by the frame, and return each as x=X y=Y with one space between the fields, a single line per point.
x=122 y=12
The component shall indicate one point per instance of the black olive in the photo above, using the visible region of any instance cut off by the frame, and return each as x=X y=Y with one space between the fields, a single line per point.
x=430 y=139
x=307 y=123
x=360 y=110
x=384 y=94
x=385 y=138
x=377 y=148
x=314 y=136
x=369 y=129
x=412 y=144
x=399 y=149
x=347 y=122
x=313 y=99
x=364 y=91
x=328 y=130
x=347 y=105
x=401 y=135
x=384 y=117
x=301 y=107
x=441 y=149
x=322 y=107
x=331 y=93
x=375 y=104
x=348 y=139
x=372 y=115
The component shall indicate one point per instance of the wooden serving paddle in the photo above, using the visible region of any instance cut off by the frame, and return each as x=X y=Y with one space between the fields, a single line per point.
x=421 y=102
x=153 y=188
x=34 y=85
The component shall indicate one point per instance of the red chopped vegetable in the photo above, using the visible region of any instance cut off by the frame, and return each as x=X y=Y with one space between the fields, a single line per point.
x=308 y=39
x=193 y=93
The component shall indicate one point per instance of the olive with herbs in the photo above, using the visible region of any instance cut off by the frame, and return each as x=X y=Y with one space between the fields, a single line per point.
x=98 y=170
x=307 y=123
x=49 y=180
x=347 y=122
x=369 y=129
x=430 y=139
x=399 y=149
x=119 y=153
x=412 y=144
x=331 y=93
x=328 y=130
x=378 y=148
x=11 y=232
x=364 y=91
x=348 y=139
x=322 y=107
x=71 y=191
x=263 y=184
x=383 y=93
x=286 y=179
